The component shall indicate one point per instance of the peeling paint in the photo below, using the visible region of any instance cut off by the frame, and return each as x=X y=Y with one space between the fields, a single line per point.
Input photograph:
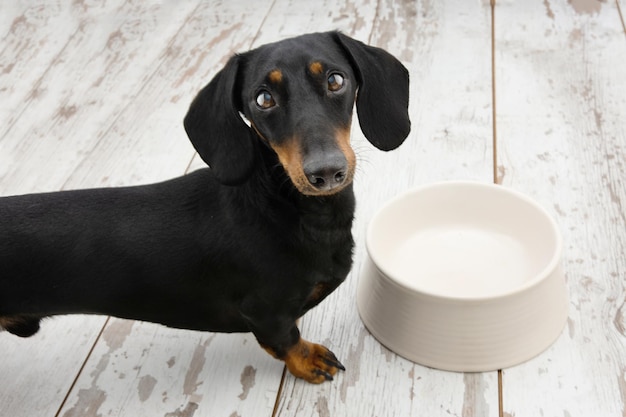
x=248 y=377
x=145 y=387
x=90 y=399
x=412 y=378
x=474 y=402
x=89 y=402
x=66 y=112
x=199 y=56
x=586 y=6
x=549 y=11
x=322 y=407
x=353 y=372
x=171 y=362
x=188 y=411
x=116 y=333
x=196 y=365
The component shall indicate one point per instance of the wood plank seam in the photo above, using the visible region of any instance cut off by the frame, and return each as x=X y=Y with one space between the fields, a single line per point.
x=621 y=16
x=279 y=392
x=262 y=25
x=494 y=150
x=82 y=367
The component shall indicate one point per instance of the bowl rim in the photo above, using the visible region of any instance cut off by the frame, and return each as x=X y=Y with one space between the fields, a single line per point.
x=541 y=276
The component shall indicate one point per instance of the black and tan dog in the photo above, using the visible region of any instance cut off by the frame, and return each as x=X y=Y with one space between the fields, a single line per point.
x=249 y=244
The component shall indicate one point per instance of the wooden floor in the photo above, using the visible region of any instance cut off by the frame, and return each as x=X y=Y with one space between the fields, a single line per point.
x=531 y=94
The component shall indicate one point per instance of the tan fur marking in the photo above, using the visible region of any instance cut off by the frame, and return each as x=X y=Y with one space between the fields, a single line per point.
x=319 y=290
x=276 y=76
x=304 y=359
x=290 y=157
x=343 y=140
x=316 y=68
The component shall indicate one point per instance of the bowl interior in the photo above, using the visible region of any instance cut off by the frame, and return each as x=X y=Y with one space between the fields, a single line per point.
x=463 y=240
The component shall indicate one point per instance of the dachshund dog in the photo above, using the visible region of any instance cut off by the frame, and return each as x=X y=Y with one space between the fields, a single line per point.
x=247 y=245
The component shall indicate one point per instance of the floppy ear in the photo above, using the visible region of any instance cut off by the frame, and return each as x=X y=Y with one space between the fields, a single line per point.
x=217 y=131
x=383 y=96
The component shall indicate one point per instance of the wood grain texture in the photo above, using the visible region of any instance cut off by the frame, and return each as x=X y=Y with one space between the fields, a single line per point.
x=93 y=94
x=560 y=109
x=70 y=108
x=446 y=48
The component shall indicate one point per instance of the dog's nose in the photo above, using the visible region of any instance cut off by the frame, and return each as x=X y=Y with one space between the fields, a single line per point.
x=327 y=174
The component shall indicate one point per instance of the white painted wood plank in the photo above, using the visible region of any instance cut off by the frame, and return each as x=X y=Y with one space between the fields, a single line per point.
x=38 y=372
x=446 y=46
x=561 y=100
x=212 y=374
x=289 y=18
x=142 y=369
x=86 y=87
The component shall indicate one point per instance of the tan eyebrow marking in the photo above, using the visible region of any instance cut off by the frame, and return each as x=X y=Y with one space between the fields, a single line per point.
x=316 y=68
x=276 y=76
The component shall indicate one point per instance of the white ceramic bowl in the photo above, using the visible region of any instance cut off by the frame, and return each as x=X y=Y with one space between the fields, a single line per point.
x=463 y=276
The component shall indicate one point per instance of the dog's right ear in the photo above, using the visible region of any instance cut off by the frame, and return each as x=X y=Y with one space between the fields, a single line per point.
x=216 y=130
x=383 y=96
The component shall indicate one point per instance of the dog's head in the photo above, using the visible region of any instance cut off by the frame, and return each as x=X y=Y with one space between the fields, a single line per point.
x=298 y=95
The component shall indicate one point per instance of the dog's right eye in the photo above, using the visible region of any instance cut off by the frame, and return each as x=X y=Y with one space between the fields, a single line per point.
x=265 y=100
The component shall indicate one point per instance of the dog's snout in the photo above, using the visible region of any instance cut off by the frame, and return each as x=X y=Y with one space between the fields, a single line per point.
x=327 y=174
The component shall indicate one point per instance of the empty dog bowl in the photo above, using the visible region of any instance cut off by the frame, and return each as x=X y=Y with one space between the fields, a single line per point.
x=463 y=276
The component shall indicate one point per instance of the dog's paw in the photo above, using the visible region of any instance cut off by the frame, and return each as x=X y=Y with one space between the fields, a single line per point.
x=312 y=362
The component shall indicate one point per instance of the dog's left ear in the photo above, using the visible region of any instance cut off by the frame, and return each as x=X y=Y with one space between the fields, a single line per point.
x=383 y=96
x=217 y=131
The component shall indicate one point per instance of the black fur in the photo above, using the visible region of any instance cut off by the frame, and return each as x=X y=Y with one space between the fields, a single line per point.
x=238 y=247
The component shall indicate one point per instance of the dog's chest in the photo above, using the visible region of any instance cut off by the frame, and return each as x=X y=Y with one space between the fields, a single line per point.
x=327 y=255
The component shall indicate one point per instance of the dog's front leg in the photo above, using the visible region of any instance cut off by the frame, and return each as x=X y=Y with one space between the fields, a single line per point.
x=278 y=334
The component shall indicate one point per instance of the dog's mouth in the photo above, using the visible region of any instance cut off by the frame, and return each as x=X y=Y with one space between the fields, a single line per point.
x=321 y=174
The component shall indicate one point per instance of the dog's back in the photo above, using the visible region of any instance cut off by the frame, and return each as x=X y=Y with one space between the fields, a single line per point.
x=86 y=250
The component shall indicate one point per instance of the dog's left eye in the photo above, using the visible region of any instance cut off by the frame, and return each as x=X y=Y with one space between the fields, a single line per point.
x=265 y=100
x=335 y=82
